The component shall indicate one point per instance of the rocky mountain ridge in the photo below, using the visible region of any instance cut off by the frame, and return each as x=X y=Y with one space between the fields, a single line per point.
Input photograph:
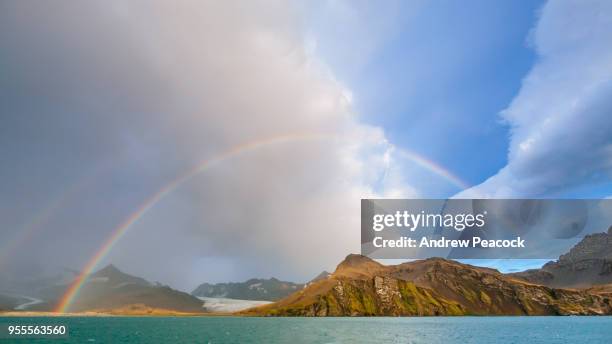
x=270 y=289
x=363 y=287
x=587 y=264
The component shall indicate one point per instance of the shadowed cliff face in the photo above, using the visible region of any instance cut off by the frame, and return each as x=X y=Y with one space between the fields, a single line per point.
x=587 y=264
x=362 y=287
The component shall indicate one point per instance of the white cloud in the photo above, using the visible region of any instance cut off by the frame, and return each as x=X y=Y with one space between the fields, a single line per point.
x=246 y=75
x=172 y=83
x=561 y=132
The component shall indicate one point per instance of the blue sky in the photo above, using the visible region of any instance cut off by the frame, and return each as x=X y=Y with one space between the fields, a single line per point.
x=439 y=77
x=305 y=108
x=438 y=80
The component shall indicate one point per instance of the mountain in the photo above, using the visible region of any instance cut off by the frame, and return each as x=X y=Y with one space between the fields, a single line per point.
x=26 y=286
x=110 y=290
x=112 y=275
x=8 y=302
x=322 y=276
x=587 y=264
x=362 y=287
x=254 y=289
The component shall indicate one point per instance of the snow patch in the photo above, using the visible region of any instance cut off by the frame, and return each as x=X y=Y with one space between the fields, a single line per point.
x=225 y=305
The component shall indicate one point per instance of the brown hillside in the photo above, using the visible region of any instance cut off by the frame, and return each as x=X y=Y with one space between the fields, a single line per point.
x=363 y=287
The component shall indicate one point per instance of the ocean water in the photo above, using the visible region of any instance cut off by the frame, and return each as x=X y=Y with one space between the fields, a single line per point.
x=447 y=330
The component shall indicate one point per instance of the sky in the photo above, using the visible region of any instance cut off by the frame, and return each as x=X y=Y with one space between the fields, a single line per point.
x=304 y=108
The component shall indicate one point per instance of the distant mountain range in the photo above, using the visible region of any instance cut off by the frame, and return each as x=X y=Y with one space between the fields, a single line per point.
x=578 y=283
x=436 y=286
x=254 y=289
x=110 y=290
x=258 y=289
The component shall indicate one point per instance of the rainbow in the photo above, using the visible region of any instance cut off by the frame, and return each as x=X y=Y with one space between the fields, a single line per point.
x=433 y=167
x=149 y=203
x=73 y=291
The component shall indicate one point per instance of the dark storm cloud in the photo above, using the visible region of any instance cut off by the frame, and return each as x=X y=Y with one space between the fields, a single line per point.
x=105 y=102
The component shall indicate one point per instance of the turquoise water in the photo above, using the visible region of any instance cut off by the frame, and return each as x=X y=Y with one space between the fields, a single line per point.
x=453 y=330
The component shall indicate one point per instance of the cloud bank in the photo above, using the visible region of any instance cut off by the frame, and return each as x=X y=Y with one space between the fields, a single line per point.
x=152 y=88
x=561 y=133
